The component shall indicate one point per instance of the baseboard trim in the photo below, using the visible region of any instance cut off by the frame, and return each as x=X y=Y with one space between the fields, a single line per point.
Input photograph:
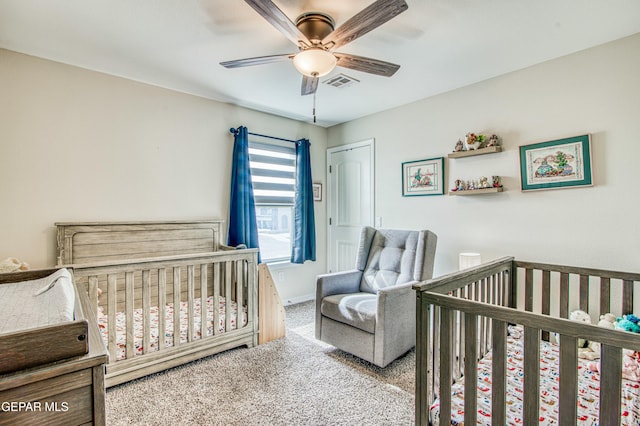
x=299 y=299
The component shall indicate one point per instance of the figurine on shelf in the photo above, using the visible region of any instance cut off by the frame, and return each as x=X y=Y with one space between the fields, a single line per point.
x=493 y=140
x=459 y=185
x=459 y=146
x=473 y=141
x=495 y=181
x=484 y=183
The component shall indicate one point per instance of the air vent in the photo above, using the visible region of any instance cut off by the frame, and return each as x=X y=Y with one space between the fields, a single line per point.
x=341 y=81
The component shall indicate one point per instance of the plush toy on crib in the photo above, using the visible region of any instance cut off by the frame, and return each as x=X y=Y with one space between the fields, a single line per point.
x=630 y=359
x=628 y=323
x=586 y=349
x=606 y=321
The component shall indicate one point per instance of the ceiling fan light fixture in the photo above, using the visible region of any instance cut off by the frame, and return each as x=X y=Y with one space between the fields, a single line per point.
x=314 y=62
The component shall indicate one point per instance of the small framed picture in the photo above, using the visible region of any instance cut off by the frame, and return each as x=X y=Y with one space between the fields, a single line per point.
x=317 y=192
x=423 y=177
x=562 y=163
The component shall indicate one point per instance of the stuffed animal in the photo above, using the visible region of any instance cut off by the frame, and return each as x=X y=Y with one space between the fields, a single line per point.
x=607 y=321
x=586 y=349
x=11 y=264
x=630 y=365
x=581 y=316
x=627 y=323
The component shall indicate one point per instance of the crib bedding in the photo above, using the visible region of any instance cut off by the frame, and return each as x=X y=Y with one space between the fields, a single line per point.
x=37 y=303
x=588 y=389
x=138 y=317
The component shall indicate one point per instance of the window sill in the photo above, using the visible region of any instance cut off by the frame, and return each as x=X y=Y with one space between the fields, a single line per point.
x=276 y=264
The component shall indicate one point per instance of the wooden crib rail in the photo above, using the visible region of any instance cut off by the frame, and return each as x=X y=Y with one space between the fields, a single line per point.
x=137 y=285
x=460 y=316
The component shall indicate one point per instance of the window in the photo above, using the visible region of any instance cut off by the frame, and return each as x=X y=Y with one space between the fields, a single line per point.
x=273 y=167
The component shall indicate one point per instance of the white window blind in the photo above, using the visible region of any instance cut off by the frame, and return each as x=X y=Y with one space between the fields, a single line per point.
x=273 y=173
x=273 y=167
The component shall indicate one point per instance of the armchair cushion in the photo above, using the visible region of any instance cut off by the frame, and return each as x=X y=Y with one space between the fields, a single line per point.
x=356 y=309
x=391 y=259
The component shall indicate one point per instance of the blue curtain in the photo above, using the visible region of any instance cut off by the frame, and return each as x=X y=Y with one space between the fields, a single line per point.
x=243 y=228
x=304 y=231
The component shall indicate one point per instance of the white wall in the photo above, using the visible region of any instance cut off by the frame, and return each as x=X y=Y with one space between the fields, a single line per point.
x=596 y=91
x=77 y=145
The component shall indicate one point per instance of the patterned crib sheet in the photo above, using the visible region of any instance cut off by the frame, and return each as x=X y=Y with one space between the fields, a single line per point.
x=138 y=318
x=588 y=389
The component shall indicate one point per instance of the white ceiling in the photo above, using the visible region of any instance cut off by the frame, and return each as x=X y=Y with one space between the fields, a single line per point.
x=178 y=44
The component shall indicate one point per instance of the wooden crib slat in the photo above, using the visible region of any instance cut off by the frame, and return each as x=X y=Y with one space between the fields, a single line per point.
x=434 y=379
x=240 y=280
x=128 y=282
x=483 y=320
x=584 y=293
x=564 y=295
x=146 y=308
x=227 y=294
x=176 y=306
x=162 y=302
x=499 y=373
x=217 y=269
x=204 y=306
x=424 y=344
x=568 y=409
x=251 y=293
x=93 y=293
x=190 y=297
x=605 y=295
x=446 y=321
x=546 y=299
x=610 y=385
x=470 y=369
x=531 y=379
x=627 y=296
x=112 y=289
x=528 y=290
x=458 y=339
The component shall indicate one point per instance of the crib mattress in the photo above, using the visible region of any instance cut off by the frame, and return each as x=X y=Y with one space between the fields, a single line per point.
x=138 y=317
x=588 y=389
x=37 y=303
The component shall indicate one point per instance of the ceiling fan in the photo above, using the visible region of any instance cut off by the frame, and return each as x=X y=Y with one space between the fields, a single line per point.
x=316 y=37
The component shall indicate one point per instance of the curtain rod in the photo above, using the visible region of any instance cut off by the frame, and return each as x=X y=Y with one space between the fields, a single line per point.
x=234 y=131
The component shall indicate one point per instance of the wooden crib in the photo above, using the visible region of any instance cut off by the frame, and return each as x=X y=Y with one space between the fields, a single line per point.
x=467 y=316
x=164 y=293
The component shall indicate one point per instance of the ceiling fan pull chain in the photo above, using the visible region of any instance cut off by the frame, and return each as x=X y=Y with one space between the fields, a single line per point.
x=314 y=107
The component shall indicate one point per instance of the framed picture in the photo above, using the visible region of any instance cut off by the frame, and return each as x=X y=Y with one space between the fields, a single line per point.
x=317 y=192
x=423 y=177
x=562 y=163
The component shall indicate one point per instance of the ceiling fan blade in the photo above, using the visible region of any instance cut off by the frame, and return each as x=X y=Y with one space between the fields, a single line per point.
x=309 y=85
x=279 y=20
x=364 y=21
x=259 y=60
x=372 y=66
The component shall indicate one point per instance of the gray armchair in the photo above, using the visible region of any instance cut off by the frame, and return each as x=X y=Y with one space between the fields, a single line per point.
x=370 y=312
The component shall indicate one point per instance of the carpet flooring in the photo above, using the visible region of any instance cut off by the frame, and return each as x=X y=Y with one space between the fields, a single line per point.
x=295 y=380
